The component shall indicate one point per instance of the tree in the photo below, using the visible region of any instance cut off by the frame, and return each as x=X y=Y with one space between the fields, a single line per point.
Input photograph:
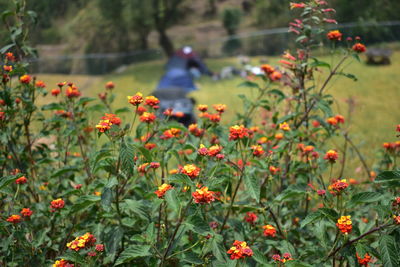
x=140 y=20
x=165 y=14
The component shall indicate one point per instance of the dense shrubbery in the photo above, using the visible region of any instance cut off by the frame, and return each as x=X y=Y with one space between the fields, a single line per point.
x=146 y=191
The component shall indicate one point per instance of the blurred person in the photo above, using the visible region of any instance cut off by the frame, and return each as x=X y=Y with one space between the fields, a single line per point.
x=181 y=70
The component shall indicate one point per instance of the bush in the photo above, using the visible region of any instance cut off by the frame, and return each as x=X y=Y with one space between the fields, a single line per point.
x=146 y=191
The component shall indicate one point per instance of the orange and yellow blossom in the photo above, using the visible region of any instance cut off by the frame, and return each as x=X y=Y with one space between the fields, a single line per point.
x=190 y=170
x=203 y=195
x=136 y=99
x=344 y=224
x=160 y=192
x=269 y=230
x=84 y=241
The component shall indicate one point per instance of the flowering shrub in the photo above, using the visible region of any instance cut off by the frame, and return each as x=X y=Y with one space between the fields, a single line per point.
x=146 y=191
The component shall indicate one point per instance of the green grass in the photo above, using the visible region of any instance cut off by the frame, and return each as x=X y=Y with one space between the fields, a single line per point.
x=376 y=94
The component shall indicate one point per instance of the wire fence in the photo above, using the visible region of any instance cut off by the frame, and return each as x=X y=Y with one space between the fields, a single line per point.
x=264 y=42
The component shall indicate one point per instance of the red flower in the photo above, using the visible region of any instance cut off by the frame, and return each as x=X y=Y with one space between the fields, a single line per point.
x=250 y=217
x=57 y=204
x=147 y=117
x=171 y=133
x=104 y=125
x=202 y=151
x=140 y=110
x=160 y=192
x=344 y=224
x=21 y=180
x=274 y=170
x=154 y=165
x=238 y=132
x=99 y=247
x=62 y=263
x=110 y=85
x=190 y=170
x=365 y=260
x=331 y=156
x=335 y=35
x=269 y=230
x=14 y=219
x=240 y=250
x=257 y=150
x=339 y=118
x=275 y=76
x=7 y=68
x=297 y=5
x=26 y=212
x=40 y=84
x=103 y=96
x=338 y=186
x=203 y=195
x=25 y=79
x=214 y=150
x=55 y=92
x=152 y=101
x=359 y=48
x=112 y=118
x=10 y=56
x=136 y=99
x=72 y=91
x=332 y=121
x=193 y=129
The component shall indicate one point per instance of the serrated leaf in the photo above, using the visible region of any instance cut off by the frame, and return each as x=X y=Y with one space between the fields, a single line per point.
x=6 y=180
x=388 y=251
x=260 y=258
x=172 y=200
x=312 y=217
x=84 y=203
x=365 y=197
x=388 y=177
x=132 y=252
x=253 y=186
x=64 y=170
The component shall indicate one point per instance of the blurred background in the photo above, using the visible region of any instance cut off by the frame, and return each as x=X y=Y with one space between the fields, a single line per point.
x=91 y=42
x=99 y=36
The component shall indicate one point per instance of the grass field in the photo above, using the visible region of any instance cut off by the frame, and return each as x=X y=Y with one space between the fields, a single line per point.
x=376 y=94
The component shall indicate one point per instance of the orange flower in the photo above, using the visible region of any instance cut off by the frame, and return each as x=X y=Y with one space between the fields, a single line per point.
x=203 y=151
x=136 y=99
x=219 y=107
x=250 y=217
x=171 y=133
x=257 y=150
x=150 y=146
x=262 y=140
x=269 y=230
x=40 y=84
x=25 y=79
x=140 y=110
x=151 y=101
x=26 y=212
x=72 y=91
x=365 y=260
x=147 y=117
x=338 y=186
x=14 y=219
x=7 y=68
x=85 y=241
x=275 y=76
x=335 y=35
x=10 y=56
x=214 y=150
x=193 y=129
x=55 y=92
x=332 y=121
x=240 y=250
x=103 y=125
x=21 y=180
x=112 y=118
x=274 y=170
x=214 y=117
x=142 y=168
x=359 y=48
x=279 y=136
x=238 y=132
x=62 y=263
x=190 y=170
x=160 y=192
x=202 y=108
x=57 y=204
x=297 y=5
x=99 y=247
x=284 y=126
x=398 y=128
x=110 y=85
x=203 y=195
x=268 y=69
x=331 y=156
x=344 y=224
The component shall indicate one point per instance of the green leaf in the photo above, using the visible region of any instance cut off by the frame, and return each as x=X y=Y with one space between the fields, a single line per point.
x=329 y=213
x=137 y=207
x=249 y=84
x=347 y=75
x=180 y=179
x=388 y=251
x=4 y=49
x=312 y=217
x=296 y=263
x=64 y=170
x=106 y=198
x=365 y=197
x=172 y=200
x=253 y=186
x=318 y=63
x=260 y=258
x=6 y=180
x=84 y=203
x=85 y=100
x=132 y=252
x=388 y=177
x=126 y=156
